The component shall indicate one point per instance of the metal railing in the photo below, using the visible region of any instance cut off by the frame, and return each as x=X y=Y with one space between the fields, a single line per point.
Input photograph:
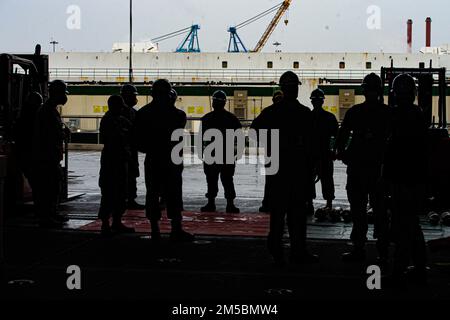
x=97 y=118
x=198 y=75
x=190 y=131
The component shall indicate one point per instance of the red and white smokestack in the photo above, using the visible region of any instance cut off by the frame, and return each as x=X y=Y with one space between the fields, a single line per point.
x=428 y=32
x=409 y=35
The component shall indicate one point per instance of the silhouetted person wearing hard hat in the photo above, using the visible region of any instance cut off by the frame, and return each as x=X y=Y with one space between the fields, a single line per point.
x=115 y=131
x=405 y=171
x=155 y=124
x=129 y=94
x=325 y=129
x=361 y=145
x=47 y=154
x=276 y=98
x=290 y=186
x=222 y=120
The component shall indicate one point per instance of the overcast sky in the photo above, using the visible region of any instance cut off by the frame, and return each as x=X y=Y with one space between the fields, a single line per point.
x=314 y=25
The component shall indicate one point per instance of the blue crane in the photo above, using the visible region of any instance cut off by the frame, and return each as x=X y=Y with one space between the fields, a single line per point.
x=235 y=44
x=189 y=44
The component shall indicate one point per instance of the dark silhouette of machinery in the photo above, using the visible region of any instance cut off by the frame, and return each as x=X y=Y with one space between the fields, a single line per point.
x=20 y=75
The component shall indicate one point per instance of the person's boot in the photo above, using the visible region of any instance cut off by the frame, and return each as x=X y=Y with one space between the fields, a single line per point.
x=119 y=227
x=209 y=207
x=231 y=208
x=133 y=205
x=356 y=255
x=178 y=234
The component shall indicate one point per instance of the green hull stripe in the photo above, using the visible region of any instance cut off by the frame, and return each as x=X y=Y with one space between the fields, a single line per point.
x=261 y=91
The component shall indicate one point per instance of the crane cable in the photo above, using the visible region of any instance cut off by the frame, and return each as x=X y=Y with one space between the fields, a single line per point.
x=171 y=35
x=259 y=16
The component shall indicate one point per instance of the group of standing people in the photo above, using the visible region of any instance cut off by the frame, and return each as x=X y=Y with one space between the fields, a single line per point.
x=39 y=136
x=384 y=148
x=125 y=131
x=387 y=161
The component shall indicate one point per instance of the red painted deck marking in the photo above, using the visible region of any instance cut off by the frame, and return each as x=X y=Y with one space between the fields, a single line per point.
x=219 y=224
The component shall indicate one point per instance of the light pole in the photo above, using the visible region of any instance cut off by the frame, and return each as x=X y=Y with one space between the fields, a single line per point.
x=130 y=71
x=54 y=43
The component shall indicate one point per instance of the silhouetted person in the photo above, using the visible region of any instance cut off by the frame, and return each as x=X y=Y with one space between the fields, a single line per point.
x=129 y=94
x=277 y=97
x=220 y=119
x=24 y=132
x=47 y=154
x=115 y=132
x=155 y=124
x=325 y=129
x=173 y=100
x=361 y=145
x=290 y=186
x=405 y=171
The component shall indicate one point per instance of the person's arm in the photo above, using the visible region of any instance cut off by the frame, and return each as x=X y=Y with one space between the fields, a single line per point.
x=56 y=136
x=311 y=148
x=257 y=123
x=260 y=122
x=343 y=135
x=109 y=135
x=334 y=133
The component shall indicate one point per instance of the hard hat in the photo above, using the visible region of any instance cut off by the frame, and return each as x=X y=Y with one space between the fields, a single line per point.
x=372 y=81
x=115 y=101
x=404 y=84
x=317 y=94
x=128 y=89
x=58 y=86
x=161 y=87
x=219 y=95
x=289 y=78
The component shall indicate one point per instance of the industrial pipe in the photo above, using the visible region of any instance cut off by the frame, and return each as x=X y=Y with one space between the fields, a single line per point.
x=428 y=32
x=409 y=35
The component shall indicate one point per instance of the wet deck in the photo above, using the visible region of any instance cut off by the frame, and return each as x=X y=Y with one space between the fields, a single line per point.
x=84 y=168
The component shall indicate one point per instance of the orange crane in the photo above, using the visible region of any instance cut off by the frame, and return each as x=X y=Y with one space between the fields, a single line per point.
x=235 y=43
x=273 y=24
